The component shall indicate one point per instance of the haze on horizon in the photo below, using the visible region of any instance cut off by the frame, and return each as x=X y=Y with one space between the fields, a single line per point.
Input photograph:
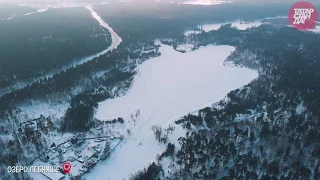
x=103 y=1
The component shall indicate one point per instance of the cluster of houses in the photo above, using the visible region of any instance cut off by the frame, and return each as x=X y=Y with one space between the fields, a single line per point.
x=83 y=154
x=68 y=152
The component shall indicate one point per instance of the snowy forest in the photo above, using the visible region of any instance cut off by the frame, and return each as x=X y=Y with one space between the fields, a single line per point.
x=268 y=129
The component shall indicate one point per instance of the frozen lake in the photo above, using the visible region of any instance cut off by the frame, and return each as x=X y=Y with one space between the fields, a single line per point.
x=164 y=89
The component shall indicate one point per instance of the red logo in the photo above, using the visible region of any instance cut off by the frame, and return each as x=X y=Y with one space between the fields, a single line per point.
x=66 y=167
x=303 y=15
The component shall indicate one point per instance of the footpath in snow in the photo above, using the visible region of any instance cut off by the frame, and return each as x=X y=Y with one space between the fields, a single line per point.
x=164 y=89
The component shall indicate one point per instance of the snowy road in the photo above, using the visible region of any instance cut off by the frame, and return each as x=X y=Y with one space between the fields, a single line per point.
x=116 y=40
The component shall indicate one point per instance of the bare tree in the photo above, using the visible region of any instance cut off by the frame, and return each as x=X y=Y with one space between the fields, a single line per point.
x=157 y=130
x=133 y=119
x=137 y=113
x=106 y=150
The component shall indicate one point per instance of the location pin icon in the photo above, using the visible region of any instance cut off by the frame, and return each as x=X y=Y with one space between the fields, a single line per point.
x=66 y=167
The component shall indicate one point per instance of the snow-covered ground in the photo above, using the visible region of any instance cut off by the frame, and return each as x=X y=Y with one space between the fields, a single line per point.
x=316 y=29
x=35 y=109
x=189 y=32
x=42 y=7
x=164 y=89
x=238 y=24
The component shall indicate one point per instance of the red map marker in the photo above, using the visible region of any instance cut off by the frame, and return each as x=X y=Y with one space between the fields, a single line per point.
x=66 y=167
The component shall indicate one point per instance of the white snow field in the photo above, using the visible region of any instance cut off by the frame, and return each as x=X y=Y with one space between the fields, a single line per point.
x=189 y=32
x=215 y=26
x=238 y=24
x=164 y=89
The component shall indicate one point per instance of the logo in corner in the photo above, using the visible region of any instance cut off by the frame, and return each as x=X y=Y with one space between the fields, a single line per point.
x=303 y=15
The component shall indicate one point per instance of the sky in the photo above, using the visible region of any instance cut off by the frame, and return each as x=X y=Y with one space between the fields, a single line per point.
x=96 y=1
x=139 y=2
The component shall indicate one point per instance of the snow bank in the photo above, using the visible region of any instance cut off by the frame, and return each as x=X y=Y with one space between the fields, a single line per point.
x=164 y=89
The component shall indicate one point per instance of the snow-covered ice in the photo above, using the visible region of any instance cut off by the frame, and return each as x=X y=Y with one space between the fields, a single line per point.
x=189 y=32
x=215 y=26
x=164 y=89
x=236 y=24
x=243 y=26
x=185 y=47
x=210 y=27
